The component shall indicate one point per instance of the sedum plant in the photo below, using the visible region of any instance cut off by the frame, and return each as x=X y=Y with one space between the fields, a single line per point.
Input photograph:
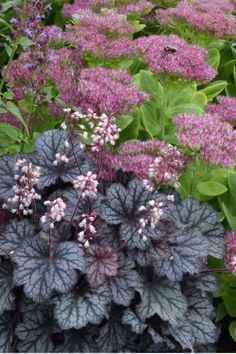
x=95 y=266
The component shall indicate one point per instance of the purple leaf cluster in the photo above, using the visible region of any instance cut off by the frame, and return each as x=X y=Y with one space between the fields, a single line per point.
x=119 y=270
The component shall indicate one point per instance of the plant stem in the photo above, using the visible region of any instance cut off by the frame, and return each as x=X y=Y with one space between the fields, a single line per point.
x=162 y=123
x=195 y=176
x=14 y=49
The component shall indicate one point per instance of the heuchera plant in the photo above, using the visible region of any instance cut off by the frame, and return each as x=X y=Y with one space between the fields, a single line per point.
x=94 y=266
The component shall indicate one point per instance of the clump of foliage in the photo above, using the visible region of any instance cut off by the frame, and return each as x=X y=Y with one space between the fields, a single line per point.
x=88 y=265
x=160 y=71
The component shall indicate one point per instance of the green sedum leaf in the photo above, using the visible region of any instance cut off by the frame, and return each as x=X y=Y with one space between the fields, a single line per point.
x=232 y=329
x=211 y=188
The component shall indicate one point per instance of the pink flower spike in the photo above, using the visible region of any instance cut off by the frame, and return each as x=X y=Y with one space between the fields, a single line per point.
x=87 y=184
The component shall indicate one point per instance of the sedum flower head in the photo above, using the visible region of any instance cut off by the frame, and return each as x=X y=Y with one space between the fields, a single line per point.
x=215 y=140
x=230 y=251
x=152 y=160
x=173 y=55
x=225 y=108
x=107 y=34
x=204 y=15
x=108 y=91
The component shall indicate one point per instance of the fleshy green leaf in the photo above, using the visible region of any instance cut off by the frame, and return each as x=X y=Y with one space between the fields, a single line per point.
x=162 y=298
x=76 y=310
x=11 y=107
x=230 y=301
x=232 y=184
x=211 y=188
x=213 y=89
x=41 y=272
x=232 y=329
x=25 y=42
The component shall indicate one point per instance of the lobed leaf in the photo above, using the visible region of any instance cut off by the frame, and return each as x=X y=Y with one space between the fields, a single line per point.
x=41 y=272
x=6 y=333
x=112 y=337
x=14 y=234
x=35 y=331
x=76 y=310
x=129 y=318
x=6 y=285
x=47 y=146
x=101 y=264
x=161 y=297
x=81 y=341
x=123 y=285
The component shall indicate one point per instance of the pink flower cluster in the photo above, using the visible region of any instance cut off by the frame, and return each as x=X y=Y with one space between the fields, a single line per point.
x=124 y=7
x=141 y=6
x=215 y=140
x=117 y=23
x=24 y=192
x=104 y=130
x=108 y=91
x=230 y=251
x=151 y=216
x=107 y=34
x=152 y=160
x=71 y=9
x=87 y=184
x=56 y=213
x=225 y=108
x=204 y=15
x=86 y=229
x=173 y=55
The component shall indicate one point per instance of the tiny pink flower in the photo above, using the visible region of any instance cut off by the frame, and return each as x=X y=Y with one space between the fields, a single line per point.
x=88 y=184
